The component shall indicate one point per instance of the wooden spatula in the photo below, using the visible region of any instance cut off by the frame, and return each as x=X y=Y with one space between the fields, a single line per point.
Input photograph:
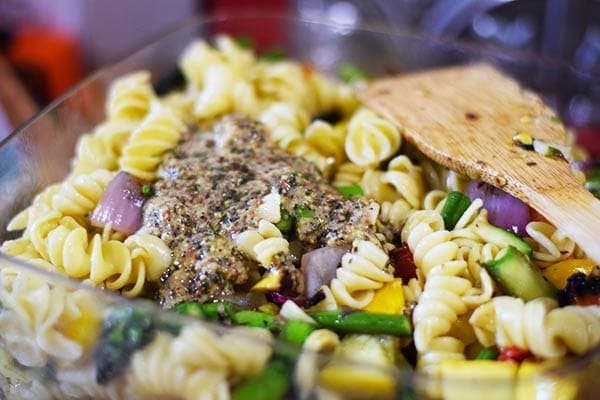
x=465 y=118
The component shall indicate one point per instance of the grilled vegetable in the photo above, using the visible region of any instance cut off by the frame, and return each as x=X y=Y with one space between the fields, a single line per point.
x=363 y=322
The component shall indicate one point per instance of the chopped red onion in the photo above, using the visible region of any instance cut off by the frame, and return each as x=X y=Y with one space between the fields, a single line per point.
x=584 y=166
x=504 y=210
x=120 y=205
x=280 y=298
x=319 y=267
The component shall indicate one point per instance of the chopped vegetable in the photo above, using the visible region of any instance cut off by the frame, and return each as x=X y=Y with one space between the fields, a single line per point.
x=580 y=290
x=350 y=74
x=404 y=264
x=212 y=311
x=502 y=238
x=363 y=322
x=271 y=383
x=147 y=190
x=270 y=281
x=350 y=190
x=120 y=205
x=514 y=353
x=280 y=298
x=286 y=223
x=124 y=331
x=517 y=277
x=558 y=273
x=296 y=331
x=303 y=211
x=245 y=42
x=592 y=181
x=389 y=299
x=255 y=319
x=488 y=353
x=273 y=55
x=455 y=206
x=504 y=210
x=319 y=267
x=556 y=119
x=472 y=379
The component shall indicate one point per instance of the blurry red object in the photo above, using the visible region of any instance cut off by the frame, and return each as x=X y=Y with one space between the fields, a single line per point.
x=588 y=137
x=514 y=353
x=268 y=36
x=48 y=61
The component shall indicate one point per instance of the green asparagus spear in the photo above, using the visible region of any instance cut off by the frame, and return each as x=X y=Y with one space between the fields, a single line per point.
x=271 y=384
x=363 y=322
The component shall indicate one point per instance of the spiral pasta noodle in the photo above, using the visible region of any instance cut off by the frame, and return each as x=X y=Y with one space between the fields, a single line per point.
x=120 y=266
x=318 y=342
x=551 y=245
x=129 y=97
x=370 y=139
x=196 y=57
x=37 y=318
x=441 y=301
x=198 y=364
x=263 y=244
x=539 y=326
x=363 y=270
x=158 y=132
x=348 y=173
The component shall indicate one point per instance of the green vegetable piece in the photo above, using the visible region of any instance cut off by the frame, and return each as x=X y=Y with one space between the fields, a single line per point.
x=245 y=42
x=502 y=238
x=351 y=190
x=272 y=383
x=123 y=332
x=593 y=182
x=552 y=151
x=147 y=190
x=286 y=223
x=255 y=319
x=363 y=322
x=296 y=331
x=350 y=74
x=455 y=206
x=488 y=353
x=211 y=311
x=273 y=55
x=556 y=119
x=517 y=277
x=303 y=211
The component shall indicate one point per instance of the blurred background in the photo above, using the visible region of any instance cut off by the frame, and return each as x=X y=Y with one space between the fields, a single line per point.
x=48 y=45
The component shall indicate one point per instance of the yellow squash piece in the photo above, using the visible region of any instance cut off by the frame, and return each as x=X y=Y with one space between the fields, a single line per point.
x=478 y=379
x=85 y=329
x=533 y=384
x=271 y=281
x=389 y=299
x=558 y=273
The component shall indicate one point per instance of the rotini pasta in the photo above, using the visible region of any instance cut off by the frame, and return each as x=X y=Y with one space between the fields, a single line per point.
x=198 y=364
x=538 y=325
x=317 y=343
x=158 y=132
x=551 y=245
x=363 y=270
x=129 y=97
x=264 y=244
x=370 y=139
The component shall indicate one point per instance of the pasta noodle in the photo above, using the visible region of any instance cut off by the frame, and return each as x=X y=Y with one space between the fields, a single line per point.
x=158 y=132
x=130 y=96
x=307 y=367
x=264 y=244
x=362 y=270
x=538 y=325
x=370 y=139
x=198 y=364
x=551 y=245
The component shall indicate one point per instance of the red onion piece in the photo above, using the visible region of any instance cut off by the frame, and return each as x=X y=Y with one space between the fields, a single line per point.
x=585 y=166
x=319 y=267
x=280 y=298
x=403 y=261
x=120 y=205
x=504 y=210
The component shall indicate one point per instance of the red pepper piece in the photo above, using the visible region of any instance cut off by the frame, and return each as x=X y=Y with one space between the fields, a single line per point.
x=403 y=262
x=514 y=353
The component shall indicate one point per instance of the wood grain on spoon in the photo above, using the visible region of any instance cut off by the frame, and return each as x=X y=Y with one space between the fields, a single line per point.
x=465 y=118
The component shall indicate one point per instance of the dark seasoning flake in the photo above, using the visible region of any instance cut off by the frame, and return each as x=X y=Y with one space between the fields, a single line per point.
x=209 y=190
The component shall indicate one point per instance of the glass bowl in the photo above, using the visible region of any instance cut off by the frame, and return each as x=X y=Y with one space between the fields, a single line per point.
x=38 y=154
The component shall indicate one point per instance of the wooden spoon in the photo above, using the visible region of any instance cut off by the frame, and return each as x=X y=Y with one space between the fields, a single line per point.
x=465 y=118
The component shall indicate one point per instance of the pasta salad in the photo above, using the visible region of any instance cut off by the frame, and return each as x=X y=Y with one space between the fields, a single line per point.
x=257 y=193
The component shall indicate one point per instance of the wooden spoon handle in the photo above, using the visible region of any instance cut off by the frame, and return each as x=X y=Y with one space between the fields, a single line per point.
x=575 y=212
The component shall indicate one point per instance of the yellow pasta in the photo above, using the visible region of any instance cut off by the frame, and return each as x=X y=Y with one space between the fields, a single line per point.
x=129 y=97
